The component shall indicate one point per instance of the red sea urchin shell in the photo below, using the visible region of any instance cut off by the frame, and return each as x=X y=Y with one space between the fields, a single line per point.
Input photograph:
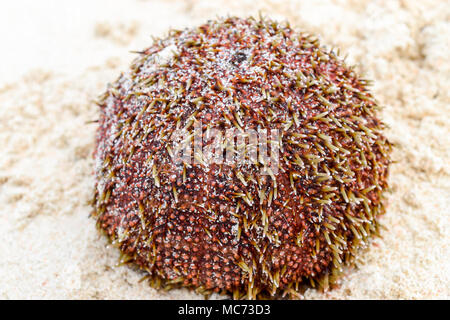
x=226 y=228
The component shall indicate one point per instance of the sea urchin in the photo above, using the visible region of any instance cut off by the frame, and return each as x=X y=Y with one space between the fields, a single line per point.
x=226 y=226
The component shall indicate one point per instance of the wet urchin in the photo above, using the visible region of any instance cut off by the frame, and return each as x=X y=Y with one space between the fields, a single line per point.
x=225 y=227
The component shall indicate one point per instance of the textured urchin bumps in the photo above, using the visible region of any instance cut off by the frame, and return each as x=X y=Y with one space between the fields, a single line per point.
x=226 y=227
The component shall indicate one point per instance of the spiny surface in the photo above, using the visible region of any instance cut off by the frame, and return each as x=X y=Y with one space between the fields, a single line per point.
x=226 y=228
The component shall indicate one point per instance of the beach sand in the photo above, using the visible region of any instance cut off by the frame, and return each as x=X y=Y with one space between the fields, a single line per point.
x=58 y=56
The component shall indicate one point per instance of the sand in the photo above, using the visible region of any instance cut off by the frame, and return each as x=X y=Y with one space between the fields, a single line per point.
x=57 y=56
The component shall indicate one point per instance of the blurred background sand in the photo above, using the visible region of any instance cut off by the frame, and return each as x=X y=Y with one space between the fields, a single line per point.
x=57 y=56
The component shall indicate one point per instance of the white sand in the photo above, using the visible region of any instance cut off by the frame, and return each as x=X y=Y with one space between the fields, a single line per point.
x=58 y=55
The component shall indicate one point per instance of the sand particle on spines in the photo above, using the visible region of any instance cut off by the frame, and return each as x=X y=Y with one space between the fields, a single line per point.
x=226 y=228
